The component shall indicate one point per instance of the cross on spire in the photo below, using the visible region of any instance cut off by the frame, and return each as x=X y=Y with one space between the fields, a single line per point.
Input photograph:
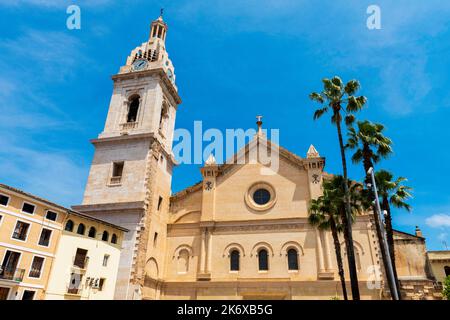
x=259 y=123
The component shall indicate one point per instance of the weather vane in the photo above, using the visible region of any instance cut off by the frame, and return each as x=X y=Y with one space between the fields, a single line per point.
x=161 y=12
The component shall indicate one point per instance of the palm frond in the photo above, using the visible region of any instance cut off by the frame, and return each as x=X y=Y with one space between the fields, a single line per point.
x=327 y=84
x=398 y=202
x=357 y=156
x=317 y=97
x=351 y=87
x=320 y=112
x=394 y=190
x=361 y=101
x=349 y=119
x=337 y=82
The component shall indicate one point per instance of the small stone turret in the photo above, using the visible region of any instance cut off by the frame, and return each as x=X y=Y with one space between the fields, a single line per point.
x=418 y=232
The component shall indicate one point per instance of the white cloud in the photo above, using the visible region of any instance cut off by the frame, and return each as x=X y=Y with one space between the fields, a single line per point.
x=438 y=221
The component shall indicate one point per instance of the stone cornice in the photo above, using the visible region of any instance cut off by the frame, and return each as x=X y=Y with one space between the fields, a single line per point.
x=111 y=207
x=183 y=193
x=246 y=225
x=286 y=154
x=151 y=137
x=282 y=224
x=251 y=282
x=125 y=137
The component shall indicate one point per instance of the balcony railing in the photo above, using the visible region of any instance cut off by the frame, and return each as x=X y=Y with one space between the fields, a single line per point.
x=35 y=273
x=115 y=180
x=129 y=125
x=75 y=291
x=80 y=262
x=13 y=274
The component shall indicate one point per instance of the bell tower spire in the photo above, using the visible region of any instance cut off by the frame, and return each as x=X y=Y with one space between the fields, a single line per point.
x=158 y=28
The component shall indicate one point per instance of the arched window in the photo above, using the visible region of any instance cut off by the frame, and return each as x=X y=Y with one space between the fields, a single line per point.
x=163 y=117
x=357 y=259
x=234 y=260
x=105 y=236
x=81 y=229
x=263 y=260
x=114 y=238
x=447 y=271
x=183 y=261
x=170 y=74
x=133 y=109
x=292 y=256
x=159 y=32
x=69 y=226
x=92 y=232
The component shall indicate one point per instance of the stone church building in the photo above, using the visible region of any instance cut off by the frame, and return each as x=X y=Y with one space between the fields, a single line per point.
x=238 y=234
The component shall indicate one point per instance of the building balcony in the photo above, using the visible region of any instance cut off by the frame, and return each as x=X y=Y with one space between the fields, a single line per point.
x=129 y=125
x=73 y=291
x=115 y=180
x=12 y=274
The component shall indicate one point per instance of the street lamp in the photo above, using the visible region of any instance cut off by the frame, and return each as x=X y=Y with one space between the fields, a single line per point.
x=390 y=270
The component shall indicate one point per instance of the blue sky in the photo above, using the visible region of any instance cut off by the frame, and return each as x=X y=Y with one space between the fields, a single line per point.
x=233 y=60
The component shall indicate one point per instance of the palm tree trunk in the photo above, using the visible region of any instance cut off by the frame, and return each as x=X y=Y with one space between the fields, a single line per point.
x=367 y=162
x=346 y=217
x=337 y=249
x=390 y=239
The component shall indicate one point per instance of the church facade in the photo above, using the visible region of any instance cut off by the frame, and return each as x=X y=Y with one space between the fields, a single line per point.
x=240 y=233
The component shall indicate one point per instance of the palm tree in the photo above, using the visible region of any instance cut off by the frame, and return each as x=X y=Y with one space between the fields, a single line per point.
x=325 y=214
x=392 y=192
x=368 y=137
x=339 y=98
x=371 y=146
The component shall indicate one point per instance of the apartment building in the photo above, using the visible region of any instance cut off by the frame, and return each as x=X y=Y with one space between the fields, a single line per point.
x=86 y=261
x=38 y=248
x=30 y=229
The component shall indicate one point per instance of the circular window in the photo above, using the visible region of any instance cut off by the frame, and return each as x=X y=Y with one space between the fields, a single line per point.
x=261 y=196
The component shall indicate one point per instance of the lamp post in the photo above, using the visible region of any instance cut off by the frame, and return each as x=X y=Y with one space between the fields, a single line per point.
x=389 y=269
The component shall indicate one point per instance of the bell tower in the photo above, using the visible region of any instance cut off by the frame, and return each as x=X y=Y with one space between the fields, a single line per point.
x=129 y=182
